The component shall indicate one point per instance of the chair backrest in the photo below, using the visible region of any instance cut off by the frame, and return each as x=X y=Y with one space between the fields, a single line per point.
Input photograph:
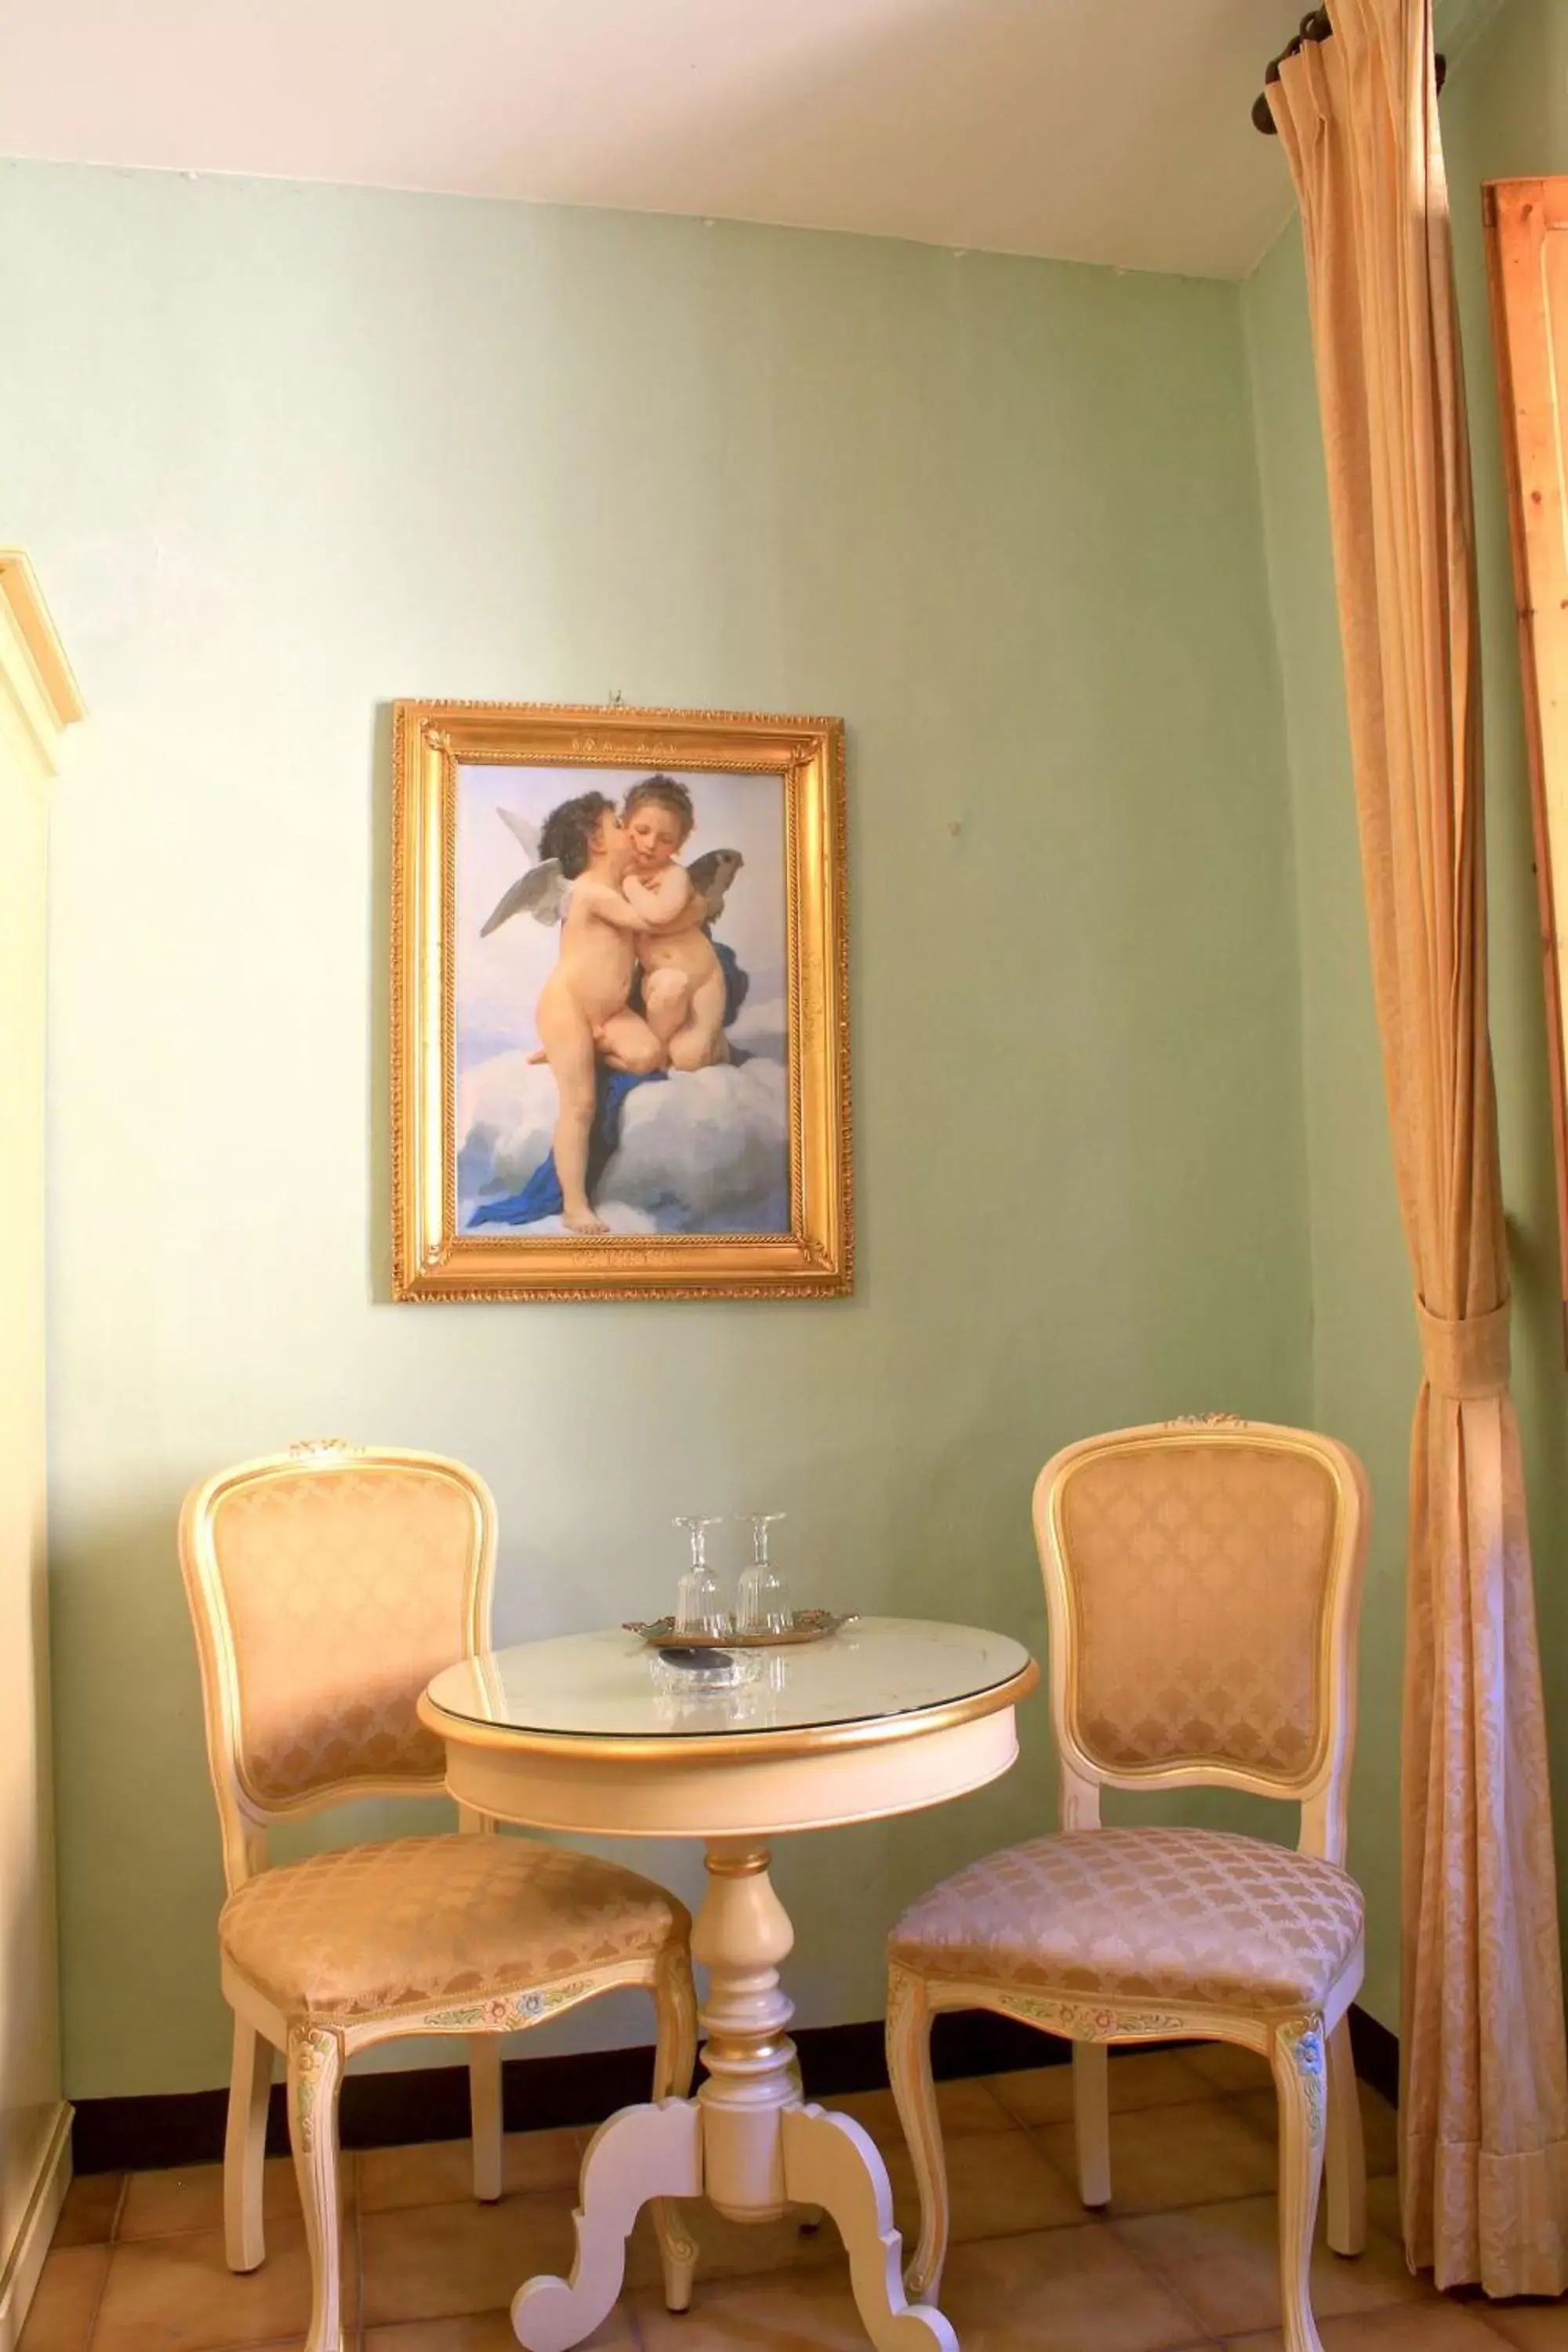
x=327 y=1585
x=1203 y=1586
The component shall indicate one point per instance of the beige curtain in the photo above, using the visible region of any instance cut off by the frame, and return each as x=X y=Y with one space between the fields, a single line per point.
x=1484 y=2110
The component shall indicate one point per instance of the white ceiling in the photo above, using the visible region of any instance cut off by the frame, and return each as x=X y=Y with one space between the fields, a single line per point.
x=1110 y=130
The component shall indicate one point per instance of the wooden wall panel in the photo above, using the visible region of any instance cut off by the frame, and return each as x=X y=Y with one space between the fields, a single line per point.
x=1527 y=250
x=37 y=702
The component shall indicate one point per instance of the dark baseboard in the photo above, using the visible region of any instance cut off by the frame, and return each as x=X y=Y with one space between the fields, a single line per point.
x=393 y=2110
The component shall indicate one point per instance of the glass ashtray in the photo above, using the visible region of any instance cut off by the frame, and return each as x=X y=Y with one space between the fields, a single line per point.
x=683 y=1673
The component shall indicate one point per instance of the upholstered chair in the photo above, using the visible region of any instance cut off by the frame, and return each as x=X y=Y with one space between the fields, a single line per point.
x=1203 y=1584
x=328 y=1585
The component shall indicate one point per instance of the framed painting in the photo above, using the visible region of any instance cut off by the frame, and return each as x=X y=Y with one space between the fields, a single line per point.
x=620 y=1028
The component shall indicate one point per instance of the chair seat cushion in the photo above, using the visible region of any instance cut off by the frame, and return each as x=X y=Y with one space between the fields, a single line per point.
x=374 y=1930
x=1182 y=1916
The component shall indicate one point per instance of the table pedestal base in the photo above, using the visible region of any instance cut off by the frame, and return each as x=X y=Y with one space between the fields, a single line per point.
x=747 y=2143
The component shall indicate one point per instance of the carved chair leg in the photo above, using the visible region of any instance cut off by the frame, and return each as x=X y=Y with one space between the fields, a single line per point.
x=245 y=2148
x=485 y=2117
x=914 y=2096
x=1300 y=2080
x=674 y=2065
x=315 y=2078
x=1091 y=2120
x=1346 y=2153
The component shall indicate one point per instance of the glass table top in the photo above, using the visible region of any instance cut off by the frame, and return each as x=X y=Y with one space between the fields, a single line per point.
x=611 y=1686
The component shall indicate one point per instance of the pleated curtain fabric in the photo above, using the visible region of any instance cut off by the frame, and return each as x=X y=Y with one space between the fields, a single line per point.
x=1484 y=2099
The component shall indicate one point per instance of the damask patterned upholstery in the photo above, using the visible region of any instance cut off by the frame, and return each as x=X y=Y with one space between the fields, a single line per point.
x=1147 y=1914
x=345 y=1591
x=1199 y=1574
x=376 y=1930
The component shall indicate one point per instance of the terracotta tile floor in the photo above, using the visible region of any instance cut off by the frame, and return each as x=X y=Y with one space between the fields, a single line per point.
x=1182 y=2261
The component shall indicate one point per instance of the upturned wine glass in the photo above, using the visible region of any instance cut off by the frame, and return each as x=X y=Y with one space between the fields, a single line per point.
x=762 y=1601
x=698 y=1609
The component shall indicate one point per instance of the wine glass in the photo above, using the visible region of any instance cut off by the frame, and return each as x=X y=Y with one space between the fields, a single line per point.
x=761 y=1604
x=697 y=1604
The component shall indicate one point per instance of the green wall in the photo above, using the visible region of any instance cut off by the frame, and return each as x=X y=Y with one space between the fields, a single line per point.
x=284 y=453
x=1505 y=112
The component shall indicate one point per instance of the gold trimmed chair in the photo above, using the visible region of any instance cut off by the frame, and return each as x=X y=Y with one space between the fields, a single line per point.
x=1203 y=1584
x=327 y=1585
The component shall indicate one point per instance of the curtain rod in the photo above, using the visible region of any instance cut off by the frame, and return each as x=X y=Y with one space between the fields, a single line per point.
x=1314 y=27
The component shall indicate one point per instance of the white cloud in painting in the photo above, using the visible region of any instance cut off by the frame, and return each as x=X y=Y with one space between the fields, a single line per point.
x=710 y=1142
x=700 y=1150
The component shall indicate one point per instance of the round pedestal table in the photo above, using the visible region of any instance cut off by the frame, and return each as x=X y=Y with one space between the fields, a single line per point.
x=591 y=1734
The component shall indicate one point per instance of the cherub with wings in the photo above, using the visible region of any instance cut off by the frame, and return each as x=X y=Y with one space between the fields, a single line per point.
x=682 y=982
x=611 y=918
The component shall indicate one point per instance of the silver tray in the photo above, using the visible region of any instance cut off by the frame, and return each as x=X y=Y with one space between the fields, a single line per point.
x=808 y=1625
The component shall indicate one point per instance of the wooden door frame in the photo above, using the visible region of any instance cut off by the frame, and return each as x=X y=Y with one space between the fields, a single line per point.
x=1520 y=215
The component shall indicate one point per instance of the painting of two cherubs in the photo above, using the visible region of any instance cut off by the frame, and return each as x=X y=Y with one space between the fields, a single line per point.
x=643 y=939
x=620 y=1020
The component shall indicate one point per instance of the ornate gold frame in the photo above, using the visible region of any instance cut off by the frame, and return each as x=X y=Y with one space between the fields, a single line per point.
x=430 y=1257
